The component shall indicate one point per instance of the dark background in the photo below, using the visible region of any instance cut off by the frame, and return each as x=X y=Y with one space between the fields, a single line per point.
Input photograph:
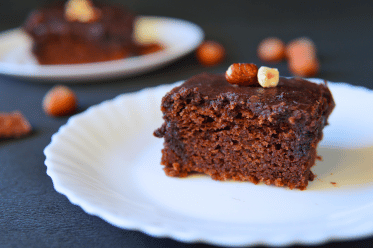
x=33 y=214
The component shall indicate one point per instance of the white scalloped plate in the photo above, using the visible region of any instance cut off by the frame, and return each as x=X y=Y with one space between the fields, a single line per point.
x=107 y=161
x=179 y=37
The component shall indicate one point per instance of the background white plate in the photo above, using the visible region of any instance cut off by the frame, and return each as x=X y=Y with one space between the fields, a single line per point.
x=179 y=37
x=107 y=161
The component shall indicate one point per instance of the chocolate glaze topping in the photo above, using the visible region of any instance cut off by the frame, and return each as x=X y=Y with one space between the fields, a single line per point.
x=292 y=91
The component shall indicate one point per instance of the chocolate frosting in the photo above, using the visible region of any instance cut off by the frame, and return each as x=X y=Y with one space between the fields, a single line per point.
x=292 y=91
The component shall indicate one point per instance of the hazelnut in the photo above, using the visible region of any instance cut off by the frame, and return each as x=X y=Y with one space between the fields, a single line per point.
x=301 y=47
x=268 y=77
x=81 y=11
x=60 y=101
x=302 y=57
x=13 y=125
x=210 y=53
x=306 y=66
x=271 y=50
x=243 y=74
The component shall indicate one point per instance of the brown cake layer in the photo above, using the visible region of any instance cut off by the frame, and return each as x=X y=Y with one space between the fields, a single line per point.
x=59 y=41
x=251 y=134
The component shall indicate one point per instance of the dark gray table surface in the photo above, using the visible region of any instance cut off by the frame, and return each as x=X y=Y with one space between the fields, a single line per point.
x=33 y=214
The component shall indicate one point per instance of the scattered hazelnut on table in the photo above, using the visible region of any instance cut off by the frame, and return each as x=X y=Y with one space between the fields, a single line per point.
x=271 y=49
x=302 y=47
x=243 y=74
x=268 y=77
x=13 y=125
x=302 y=56
x=304 y=66
x=210 y=53
x=60 y=101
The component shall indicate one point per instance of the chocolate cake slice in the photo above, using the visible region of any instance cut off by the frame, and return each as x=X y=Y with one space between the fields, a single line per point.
x=58 y=40
x=251 y=133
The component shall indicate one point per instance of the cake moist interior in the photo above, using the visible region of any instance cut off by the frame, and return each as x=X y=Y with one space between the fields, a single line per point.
x=251 y=134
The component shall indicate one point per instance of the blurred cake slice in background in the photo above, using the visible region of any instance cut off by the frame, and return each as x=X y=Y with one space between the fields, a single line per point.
x=80 y=31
